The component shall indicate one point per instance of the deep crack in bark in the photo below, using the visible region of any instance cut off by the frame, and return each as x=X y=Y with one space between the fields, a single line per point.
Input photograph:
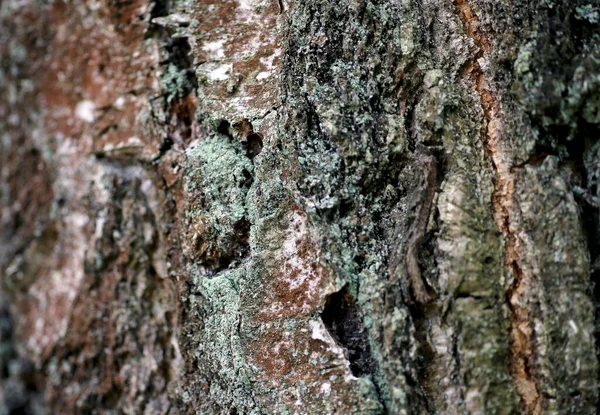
x=519 y=295
x=344 y=322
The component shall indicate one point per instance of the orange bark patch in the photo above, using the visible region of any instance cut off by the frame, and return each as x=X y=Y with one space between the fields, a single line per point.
x=521 y=295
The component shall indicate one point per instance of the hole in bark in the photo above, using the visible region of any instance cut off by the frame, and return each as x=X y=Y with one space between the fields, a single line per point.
x=165 y=145
x=159 y=8
x=182 y=116
x=360 y=259
x=21 y=372
x=112 y=398
x=179 y=54
x=253 y=145
x=223 y=128
x=242 y=233
x=238 y=249
x=347 y=206
x=248 y=178
x=252 y=141
x=6 y=352
x=344 y=322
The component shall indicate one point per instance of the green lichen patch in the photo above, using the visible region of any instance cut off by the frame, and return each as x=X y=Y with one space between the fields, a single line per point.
x=218 y=176
x=174 y=82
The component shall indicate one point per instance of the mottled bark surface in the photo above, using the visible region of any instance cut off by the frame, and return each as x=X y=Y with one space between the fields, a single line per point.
x=299 y=207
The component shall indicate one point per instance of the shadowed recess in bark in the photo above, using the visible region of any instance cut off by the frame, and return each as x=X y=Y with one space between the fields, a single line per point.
x=344 y=322
x=179 y=55
x=18 y=381
x=251 y=140
x=583 y=160
x=239 y=248
x=178 y=81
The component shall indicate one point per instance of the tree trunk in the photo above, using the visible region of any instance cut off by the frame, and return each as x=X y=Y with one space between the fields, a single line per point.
x=299 y=207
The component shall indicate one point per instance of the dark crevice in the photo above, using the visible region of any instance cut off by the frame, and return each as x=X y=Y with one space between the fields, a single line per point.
x=111 y=399
x=224 y=128
x=468 y=296
x=421 y=315
x=160 y=8
x=579 y=148
x=241 y=248
x=253 y=145
x=537 y=157
x=179 y=55
x=165 y=146
x=179 y=105
x=251 y=141
x=344 y=321
x=17 y=374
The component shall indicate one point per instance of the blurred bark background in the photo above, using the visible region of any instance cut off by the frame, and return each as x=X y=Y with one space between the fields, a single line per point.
x=299 y=207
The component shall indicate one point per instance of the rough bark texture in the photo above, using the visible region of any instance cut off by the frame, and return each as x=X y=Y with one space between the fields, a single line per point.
x=299 y=207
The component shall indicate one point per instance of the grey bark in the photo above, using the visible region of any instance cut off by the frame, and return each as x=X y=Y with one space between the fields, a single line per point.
x=299 y=207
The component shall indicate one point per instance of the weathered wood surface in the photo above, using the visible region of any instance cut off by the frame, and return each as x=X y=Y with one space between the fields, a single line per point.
x=299 y=207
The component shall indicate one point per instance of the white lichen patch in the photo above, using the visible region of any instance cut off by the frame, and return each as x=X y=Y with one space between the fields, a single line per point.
x=247 y=7
x=574 y=326
x=320 y=332
x=220 y=72
x=85 y=111
x=54 y=292
x=299 y=232
x=214 y=49
x=119 y=103
x=263 y=75
x=268 y=63
x=53 y=296
x=325 y=388
x=299 y=269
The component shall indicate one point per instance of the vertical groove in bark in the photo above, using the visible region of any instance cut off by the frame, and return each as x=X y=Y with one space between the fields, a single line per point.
x=520 y=296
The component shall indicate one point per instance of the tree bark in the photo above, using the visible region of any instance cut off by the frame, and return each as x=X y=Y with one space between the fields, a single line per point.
x=299 y=207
